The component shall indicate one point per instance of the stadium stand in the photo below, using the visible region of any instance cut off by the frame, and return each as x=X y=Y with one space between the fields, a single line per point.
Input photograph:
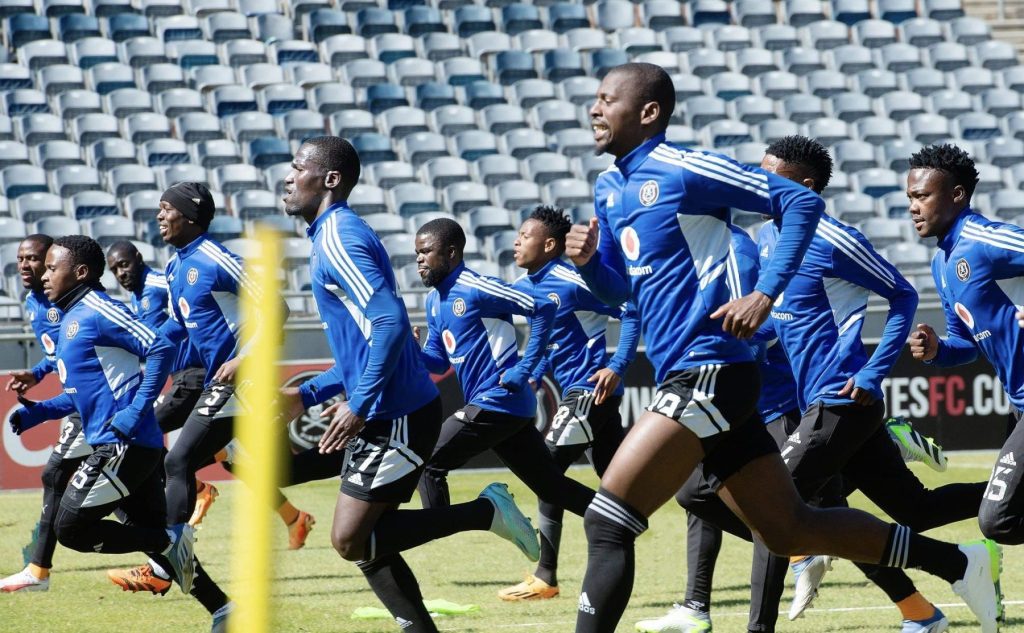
x=474 y=110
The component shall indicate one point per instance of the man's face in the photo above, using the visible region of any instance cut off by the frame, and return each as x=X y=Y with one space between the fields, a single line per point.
x=60 y=275
x=433 y=262
x=31 y=263
x=934 y=202
x=528 y=250
x=127 y=268
x=174 y=227
x=304 y=186
x=616 y=116
x=775 y=165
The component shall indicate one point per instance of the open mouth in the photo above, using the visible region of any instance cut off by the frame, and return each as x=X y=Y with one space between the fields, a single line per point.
x=600 y=130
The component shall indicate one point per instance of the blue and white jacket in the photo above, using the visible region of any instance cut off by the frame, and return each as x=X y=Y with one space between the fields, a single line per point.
x=151 y=306
x=664 y=216
x=819 y=317
x=376 y=359
x=979 y=271
x=204 y=281
x=778 y=388
x=469 y=327
x=577 y=348
x=99 y=352
x=44 y=318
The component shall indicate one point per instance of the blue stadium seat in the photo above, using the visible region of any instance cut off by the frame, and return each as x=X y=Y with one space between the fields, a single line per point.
x=849 y=12
x=373 y=147
x=373 y=21
x=23 y=28
x=263 y=152
x=516 y=18
x=561 y=63
x=420 y=20
x=124 y=26
x=604 y=59
x=470 y=19
x=433 y=95
x=708 y=12
x=512 y=66
x=178 y=27
x=383 y=96
x=75 y=26
x=565 y=16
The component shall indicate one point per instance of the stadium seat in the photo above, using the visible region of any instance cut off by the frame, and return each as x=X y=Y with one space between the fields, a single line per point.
x=384 y=96
x=494 y=169
x=125 y=26
x=107 y=229
x=1007 y=204
x=390 y=173
x=229 y=179
x=544 y=167
x=338 y=50
x=777 y=84
x=925 y=81
x=801 y=108
x=391 y=47
x=851 y=59
x=226 y=25
x=909 y=258
x=604 y=59
x=514 y=194
x=501 y=245
x=773 y=129
x=565 y=16
x=976 y=126
x=174 y=28
x=851 y=106
x=753 y=13
x=516 y=18
x=884 y=232
x=928 y=128
x=778 y=37
x=75 y=26
x=486 y=44
x=942 y=10
x=876 y=130
x=450 y=120
x=752 y=109
x=107 y=225
x=440 y=46
x=899 y=57
x=373 y=147
x=410 y=198
x=877 y=182
x=323 y=23
x=850 y=12
x=419 y=147
x=252 y=204
x=995 y=55
x=470 y=19
x=159 y=78
x=573 y=142
x=13 y=153
x=123 y=180
x=875 y=83
x=367 y=199
x=143 y=126
x=854 y=156
x=89 y=128
x=874 y=33
x=461 y=197
x=442 y=171
x=568 y=192
x=969 y=31
x=108 y=153
x=373 y=21
x=826 y=34
x=385 y=223
x=635 y=41
x=36 y=128
x=54 y=224
x=591 y=166
x=415 y=71
x=901 y=104
x=472 y=144
x=53 y=154
x=267 y=151
x=659 y=15
x=827 y=130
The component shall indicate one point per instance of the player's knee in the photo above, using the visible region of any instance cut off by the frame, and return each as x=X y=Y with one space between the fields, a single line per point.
x=52 y=472
x=176 y=464
x=70 y=533
x=1001 y=528
x=347 y=546
x=784 y=537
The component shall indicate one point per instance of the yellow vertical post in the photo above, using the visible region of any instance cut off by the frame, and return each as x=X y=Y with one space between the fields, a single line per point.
x=252 y=563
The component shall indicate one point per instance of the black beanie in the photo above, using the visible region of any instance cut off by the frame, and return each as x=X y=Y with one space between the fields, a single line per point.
x=193 y=200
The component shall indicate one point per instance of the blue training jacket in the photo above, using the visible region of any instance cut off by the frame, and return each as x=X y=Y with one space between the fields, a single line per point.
x=99 y=351
x=778 y=388
x=469 y=327
x=664 y=216
x=204 y=281
x=978 y=271
x=819 y=317
x=44 y=318
x=376 y=359
x=577 y=348
x=151 y=306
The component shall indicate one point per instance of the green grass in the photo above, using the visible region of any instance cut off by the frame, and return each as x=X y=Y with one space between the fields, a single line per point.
x=316 y=591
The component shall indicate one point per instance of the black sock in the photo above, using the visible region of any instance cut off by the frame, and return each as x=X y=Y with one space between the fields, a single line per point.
x=206 y=591
x=399 y=530
x=393 y=582
x=906 y=549
x=894 y=582
x=703 y=542
x=612 y=527
x=550 y=525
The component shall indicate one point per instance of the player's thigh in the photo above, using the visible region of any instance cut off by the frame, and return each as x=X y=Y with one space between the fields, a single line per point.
x=762 y=494
x=107 y=476
x=146 y=504
x=173 y=408
x=878 y=470
x=469 y=432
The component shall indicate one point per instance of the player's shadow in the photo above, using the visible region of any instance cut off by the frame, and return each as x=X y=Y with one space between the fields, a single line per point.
x=316 y=577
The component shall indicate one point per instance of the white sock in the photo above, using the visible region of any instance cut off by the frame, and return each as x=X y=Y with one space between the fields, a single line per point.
x=158 y=570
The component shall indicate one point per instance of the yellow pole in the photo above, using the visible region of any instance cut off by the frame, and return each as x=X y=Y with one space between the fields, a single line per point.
x=252 y=563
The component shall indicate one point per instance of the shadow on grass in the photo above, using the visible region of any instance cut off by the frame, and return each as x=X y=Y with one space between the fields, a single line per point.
x=316 y=577
x=480 y=583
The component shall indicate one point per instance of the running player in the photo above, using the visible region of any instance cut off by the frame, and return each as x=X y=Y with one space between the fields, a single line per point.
x=587 y=418
x=664 y=216
x=390 y=422
x=71 y=447
x=469 y=328
x=831 y=281
x=978 y=272
x=99 y=350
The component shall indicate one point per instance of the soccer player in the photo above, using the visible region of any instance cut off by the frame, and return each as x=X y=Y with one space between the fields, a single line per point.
x=71 y=446
x=99 y=350
x=663 y=218
x=818 y=322
x=587 y=418
x=147 y=289
x=391 y=419
x=469 y=328
x=978 y=271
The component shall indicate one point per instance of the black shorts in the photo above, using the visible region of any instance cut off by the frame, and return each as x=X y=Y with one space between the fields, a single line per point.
x=173 y=407
x=718 y=403
x=109 y=475
x=71 y=444
x=217 y=401
x=577 y=419
x=383 y=463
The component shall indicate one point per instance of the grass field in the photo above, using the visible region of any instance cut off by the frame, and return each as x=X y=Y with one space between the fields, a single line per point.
x=316 y=591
